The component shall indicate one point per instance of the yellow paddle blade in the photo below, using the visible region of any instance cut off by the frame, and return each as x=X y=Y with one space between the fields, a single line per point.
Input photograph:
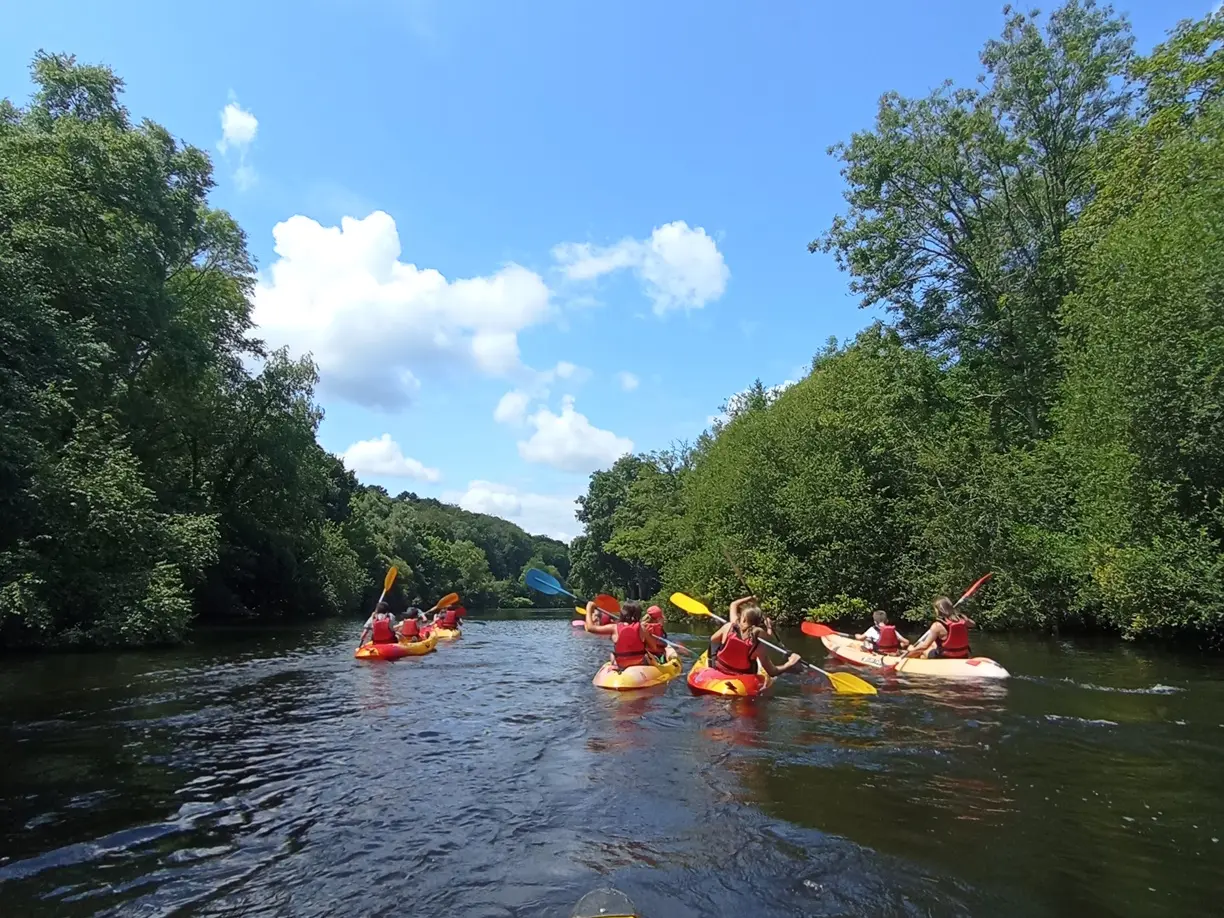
x=850 y=684
x=581 y=611
x=390 y=579
x=689 y=604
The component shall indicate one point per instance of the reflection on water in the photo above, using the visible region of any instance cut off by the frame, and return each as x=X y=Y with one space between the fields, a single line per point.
x=269 y=773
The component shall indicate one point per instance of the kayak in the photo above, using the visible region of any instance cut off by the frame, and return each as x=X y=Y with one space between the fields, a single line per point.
x=446 y=634
x=705 y=679
x=579 y=623
x=397 y=651
x=850 y=650
x=605 y=903
x=636 y=677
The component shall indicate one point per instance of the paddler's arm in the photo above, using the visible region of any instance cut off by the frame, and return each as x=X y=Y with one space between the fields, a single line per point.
x=791 y=662
x=923 y=642
x=592 y=628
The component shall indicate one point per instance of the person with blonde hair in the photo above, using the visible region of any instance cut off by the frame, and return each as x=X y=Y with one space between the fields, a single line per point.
x=948 y=636
x=736 y=649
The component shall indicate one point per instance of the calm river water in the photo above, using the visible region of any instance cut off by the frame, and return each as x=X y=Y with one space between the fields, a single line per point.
x=267 y=772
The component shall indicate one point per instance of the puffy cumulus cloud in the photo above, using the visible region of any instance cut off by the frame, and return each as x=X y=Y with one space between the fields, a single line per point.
x=512 y=408
x=569 y=442
x=680 y=267
x=628 y=381
x=238 y=130
x=740 y=401
x=537 y=513
x=383 y=457
x=375 y=323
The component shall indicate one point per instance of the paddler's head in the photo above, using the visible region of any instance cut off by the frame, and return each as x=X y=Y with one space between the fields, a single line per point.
x=631 y=611
x=383 y=609
x=655 y=614
x=880 y=617
x=413 y=613
x=943 y=608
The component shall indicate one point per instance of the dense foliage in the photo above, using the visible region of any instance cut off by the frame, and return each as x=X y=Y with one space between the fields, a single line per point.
x=1048 y=401
x=147 y=473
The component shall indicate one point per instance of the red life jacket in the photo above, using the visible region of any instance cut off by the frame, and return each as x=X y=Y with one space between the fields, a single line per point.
x=888 y=639
x=449 y=620
x=956 y=644
x=410 y=629
x=656 y=628
x=629 y=649
x=383 y=632
x=603 y=618
x=735 y=655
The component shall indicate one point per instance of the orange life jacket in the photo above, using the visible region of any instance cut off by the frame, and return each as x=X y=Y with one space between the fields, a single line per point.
x=383 y=632
x=629 y=649
x=410 y=629
x=735 y=655
x=449 y=620
x=956 y=645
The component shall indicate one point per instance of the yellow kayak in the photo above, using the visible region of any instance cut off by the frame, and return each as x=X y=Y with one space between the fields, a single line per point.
x=850 y=650
x=705 y=679
x=447 y=634
x=397 y=650
x=636 y=677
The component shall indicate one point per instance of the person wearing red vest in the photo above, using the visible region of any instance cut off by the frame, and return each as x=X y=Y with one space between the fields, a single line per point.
x=735 y=648
x=452 y=618
x=632 y=643
x=948 y=636
x=882 y=637
x=380 y=626
x=410 y=628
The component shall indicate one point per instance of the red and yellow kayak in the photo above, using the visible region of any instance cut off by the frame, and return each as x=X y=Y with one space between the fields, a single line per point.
x=705 y=679
x=396 y=651
x=852 y=651
x=446 y=634
x=636 y=677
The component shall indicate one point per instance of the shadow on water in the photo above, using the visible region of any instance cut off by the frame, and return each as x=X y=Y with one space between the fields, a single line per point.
x=266 y=772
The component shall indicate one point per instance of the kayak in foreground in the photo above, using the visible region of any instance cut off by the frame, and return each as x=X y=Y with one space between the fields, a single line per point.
x=605 y=903
x=396 y=651
x=705 y=679
x=850 y=650
x=636 y=677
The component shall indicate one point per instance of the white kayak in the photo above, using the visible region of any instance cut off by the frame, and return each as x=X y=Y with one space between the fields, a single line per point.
x=850 y=650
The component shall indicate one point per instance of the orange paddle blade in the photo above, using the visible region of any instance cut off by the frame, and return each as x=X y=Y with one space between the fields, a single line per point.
x=816 y=629
x=607 y=603
x=390 y=578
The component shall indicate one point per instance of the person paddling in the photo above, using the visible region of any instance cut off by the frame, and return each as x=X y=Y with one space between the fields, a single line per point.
x=452 y=618
x=948 y=636
x=410 y=628
x=380 y=626
x=735 y=648
x=882 y=637
x=632 y=643
x=654 y=624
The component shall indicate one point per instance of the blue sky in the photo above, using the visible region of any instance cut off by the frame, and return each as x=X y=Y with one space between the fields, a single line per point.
x=578 y=192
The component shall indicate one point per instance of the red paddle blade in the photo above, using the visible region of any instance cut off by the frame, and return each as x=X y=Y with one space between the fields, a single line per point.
x=607 y=603
x=973 y=589
x=816 y=629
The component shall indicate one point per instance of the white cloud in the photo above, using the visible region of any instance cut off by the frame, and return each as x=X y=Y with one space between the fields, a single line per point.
x=680 y=267
x=569 y=442
x=385 y=458
x=238 y=130
x=374 y=323
x=537 y=513
x=739 y=401
x=512 y=409
x=628 y=381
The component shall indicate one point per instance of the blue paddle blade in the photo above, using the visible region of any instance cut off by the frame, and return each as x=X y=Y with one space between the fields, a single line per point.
x=545 y=583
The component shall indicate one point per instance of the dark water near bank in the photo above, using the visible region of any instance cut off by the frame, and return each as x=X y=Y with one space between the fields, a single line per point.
x=269 y=773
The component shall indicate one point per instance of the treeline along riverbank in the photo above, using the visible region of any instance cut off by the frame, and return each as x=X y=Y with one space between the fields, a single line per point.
x=149 y=475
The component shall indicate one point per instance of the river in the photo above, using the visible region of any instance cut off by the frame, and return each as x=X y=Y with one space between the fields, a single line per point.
x=267 y=772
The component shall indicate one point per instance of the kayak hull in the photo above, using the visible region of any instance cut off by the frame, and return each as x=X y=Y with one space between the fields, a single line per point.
x=636 y=677
x=704 y=679
x=447 y=634
x=850 y=650
x=396 y=651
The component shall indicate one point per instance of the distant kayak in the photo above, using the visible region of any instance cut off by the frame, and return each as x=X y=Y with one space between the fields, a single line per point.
x=579 y=623
x=705 y=679
x=636 y=677
x=850 y=650
x=446 y=634
x=396 y=651
x=605 y=903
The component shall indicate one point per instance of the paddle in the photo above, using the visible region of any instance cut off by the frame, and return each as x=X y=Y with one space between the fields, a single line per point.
x=818 y=630
x=843 y=683
x=969 y=592
x=387 y=581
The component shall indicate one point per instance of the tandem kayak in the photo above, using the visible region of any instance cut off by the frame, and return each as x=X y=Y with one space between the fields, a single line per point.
x=705 y=679
x=605 y=903
x=636 y=677
x=850 y=650
x=396 y=651
x=446 y=634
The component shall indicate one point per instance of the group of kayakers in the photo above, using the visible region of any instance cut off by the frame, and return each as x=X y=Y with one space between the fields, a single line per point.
x=736 y=649
x=382 y=628
x=946 y=639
